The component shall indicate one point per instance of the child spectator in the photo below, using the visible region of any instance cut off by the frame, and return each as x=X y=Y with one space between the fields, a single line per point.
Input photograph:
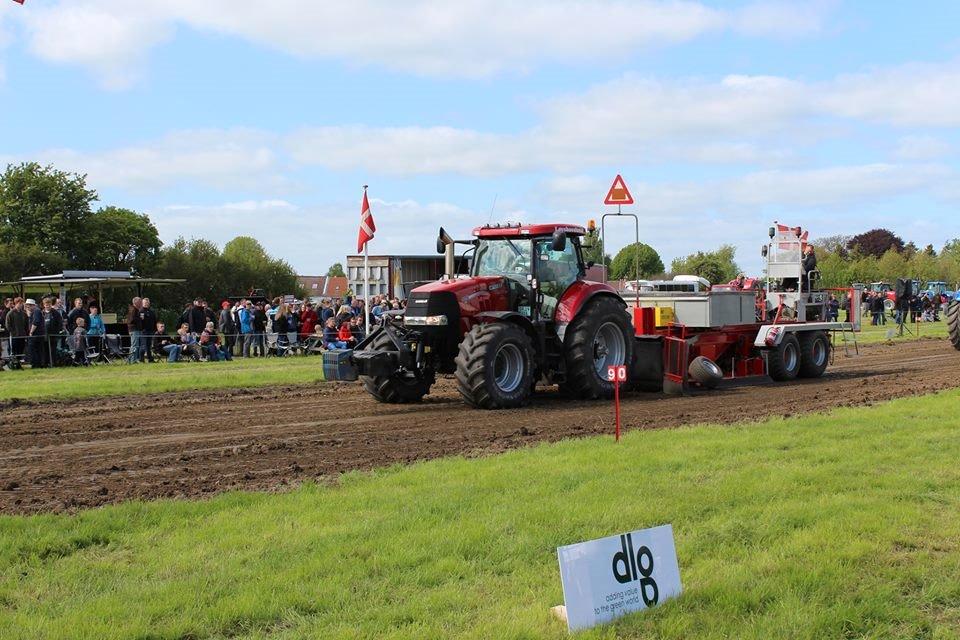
x=345 y=334
x=80 y=341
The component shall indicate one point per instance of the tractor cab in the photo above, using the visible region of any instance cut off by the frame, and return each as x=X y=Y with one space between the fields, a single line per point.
x=537 y=263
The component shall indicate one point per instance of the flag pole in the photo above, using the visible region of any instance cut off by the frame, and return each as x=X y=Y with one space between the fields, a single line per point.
x=366 y=281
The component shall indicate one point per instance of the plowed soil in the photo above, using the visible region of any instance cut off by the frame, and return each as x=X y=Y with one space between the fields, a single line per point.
x=62 y=456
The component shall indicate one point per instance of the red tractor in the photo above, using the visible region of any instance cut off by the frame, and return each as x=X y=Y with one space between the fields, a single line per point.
x=525 y=313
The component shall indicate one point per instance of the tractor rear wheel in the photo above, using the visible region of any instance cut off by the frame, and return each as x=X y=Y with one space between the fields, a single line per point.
x=814 y=354
x=783 y=362
x=953 y=323
x=495 y=366
x=401 y=387
x=600 y=336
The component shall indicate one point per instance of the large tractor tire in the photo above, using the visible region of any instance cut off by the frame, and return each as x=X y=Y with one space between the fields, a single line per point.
x=706 y=372
x=814 y=354
x=600 y=336
x=401 y=387
x=953 y=323
x=495 y=366
x=783 y=362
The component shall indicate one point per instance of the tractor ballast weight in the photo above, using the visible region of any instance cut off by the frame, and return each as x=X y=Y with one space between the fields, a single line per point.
x=525 y=314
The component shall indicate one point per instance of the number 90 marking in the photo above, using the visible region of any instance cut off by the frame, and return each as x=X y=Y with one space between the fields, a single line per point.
x=617 y=373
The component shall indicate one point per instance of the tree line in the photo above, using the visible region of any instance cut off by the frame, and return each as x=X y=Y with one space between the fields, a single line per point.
x=48 y=223
x=879 y=255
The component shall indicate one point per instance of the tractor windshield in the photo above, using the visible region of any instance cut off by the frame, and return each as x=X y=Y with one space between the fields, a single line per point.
x=510 y=258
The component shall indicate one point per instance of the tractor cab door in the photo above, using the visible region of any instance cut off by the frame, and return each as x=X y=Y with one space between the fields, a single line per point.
x=511 y=259
x=556 y=270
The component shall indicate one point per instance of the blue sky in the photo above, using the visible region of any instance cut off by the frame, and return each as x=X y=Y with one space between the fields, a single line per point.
x=236 y=117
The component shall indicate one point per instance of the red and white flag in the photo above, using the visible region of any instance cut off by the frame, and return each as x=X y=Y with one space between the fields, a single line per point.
x=367 y=227
x=18 y=1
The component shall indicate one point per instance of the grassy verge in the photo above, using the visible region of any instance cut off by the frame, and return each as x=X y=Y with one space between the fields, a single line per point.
x=889 y=333
x=119 y=378
x=844 y=525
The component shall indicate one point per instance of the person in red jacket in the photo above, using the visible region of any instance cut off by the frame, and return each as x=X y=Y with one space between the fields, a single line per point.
x=308 y=320
x=345 y=334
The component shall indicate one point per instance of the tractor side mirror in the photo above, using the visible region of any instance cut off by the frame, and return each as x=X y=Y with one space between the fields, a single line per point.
x=559 y=240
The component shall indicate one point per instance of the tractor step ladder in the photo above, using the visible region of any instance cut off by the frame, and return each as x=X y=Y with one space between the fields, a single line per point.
x=849 y=337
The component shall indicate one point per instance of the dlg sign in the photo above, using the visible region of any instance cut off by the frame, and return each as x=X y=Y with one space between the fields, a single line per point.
x=607 y=578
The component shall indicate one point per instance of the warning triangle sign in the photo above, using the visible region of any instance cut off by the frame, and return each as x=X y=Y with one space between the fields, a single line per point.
x=618 y=194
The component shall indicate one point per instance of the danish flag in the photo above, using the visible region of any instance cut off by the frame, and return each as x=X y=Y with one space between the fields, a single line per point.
x=18 y=1
x=367 y=227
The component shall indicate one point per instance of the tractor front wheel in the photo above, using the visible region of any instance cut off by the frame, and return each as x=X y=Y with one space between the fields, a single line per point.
x=401 y=387
x=495 y=366
x=953 y=323
x=600 y=336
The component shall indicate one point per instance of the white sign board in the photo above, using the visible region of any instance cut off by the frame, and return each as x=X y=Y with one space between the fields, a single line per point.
x=606 y=578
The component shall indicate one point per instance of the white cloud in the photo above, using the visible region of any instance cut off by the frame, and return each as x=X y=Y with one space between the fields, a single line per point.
x=229 y=158
x=922 y=148
x=468 y=38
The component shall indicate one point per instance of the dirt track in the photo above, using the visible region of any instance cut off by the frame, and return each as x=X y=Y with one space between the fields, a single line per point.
x=59 y=456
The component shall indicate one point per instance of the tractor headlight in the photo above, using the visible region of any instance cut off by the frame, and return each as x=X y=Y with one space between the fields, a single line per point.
x=425 y=321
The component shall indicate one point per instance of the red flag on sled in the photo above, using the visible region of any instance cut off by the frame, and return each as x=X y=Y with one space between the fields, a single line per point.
x=367 y=227
x=18 y=1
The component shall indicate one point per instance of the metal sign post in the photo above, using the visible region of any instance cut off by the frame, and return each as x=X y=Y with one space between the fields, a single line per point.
x=617 y=374
x=620 y=195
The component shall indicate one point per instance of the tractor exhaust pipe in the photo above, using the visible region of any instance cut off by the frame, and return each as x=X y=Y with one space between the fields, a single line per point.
x=446 y=247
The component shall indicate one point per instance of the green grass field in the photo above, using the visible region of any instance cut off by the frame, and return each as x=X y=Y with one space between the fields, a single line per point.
x=119 y=378
x=845 y=525
x=888 y=332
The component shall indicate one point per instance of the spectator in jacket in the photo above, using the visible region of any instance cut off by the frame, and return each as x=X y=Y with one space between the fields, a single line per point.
x=259 y=331
x=228 y=326
x=52 y=329
x=344 y=313
x=331 y=338
x=194 y=317
x=148 y=322
x=209 y=315
x=80 y=342
x=188 y=342
x=245 y=318
x=4 y=310
x=17 y=323
x=208 y=342
x=160 y=341
x=77 y=312
x=35 y=333
x=308 y=320
x=134 y=330
x=345 y=333
x=833 y=309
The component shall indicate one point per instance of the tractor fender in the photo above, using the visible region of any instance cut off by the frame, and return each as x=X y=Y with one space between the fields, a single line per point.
x=575 y=297
x=515 y=317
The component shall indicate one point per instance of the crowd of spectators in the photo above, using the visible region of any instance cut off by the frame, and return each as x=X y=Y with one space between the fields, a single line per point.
x=46 y=334
x=918 y=308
